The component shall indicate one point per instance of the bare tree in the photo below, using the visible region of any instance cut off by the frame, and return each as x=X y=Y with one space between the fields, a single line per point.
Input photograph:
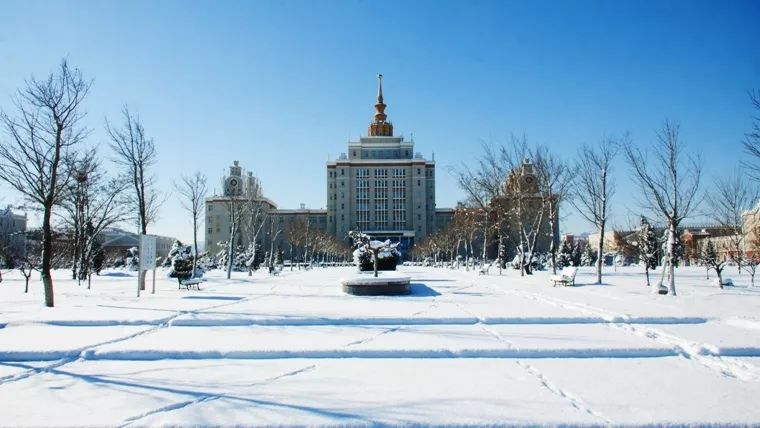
x=92 y=202
x=555 y=179
x=272 y=234
x=136 y=154
x=670 y=184
x=594 y=187
x=236 y=210
x=752 y=138
x=256 y=214
x=710 y=258
x=482 y=185
x=192 y=191
x=39 y=140
x=732 y=196
x=752 y=255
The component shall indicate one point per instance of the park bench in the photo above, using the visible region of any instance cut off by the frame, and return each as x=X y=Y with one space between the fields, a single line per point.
x=186 y=280
x=566 y=277
x=484 y=269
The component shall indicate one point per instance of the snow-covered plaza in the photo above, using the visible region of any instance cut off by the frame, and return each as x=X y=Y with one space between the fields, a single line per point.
x=464 y=349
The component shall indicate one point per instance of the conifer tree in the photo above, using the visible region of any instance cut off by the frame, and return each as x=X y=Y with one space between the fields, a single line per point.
x=647 y=246
x=565 y=258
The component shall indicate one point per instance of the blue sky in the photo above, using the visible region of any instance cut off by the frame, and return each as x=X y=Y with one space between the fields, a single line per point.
x=283 y=85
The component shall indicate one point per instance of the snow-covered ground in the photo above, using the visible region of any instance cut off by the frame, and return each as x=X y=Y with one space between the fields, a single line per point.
x=463 y=349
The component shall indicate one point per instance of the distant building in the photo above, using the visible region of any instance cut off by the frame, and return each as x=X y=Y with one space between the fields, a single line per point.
x=238 y=190
x=12 y=231
x=521 y=187
x=382 y=187
x=117 y=242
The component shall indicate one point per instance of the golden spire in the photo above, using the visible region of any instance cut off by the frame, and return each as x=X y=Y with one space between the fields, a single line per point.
x=380 y=127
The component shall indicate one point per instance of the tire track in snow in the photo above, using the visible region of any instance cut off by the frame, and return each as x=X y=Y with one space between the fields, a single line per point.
x=700 y=353
x=81 y=353
x=535 y=372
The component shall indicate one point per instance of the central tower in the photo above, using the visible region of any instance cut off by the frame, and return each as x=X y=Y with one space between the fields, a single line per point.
x=381 y=186
x=380 y=127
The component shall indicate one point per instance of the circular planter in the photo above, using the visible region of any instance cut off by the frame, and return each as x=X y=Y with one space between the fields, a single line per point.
x=380 y=286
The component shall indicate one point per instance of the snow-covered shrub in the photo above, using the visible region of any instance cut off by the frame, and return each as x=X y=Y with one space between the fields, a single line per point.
x=180 y=258
x=538 y=262
x=239 y=261
x=388 y=257
x=588 y=258
x=254 y=256
x=133 y=259
x=206 y=262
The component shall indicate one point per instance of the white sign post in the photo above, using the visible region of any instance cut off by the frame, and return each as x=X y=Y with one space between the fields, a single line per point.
x=147 y=261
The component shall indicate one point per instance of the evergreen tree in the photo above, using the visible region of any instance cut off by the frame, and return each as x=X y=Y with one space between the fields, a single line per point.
x=588 y=258
x=98 y=256
x=678 y=249
x=577 y=255
x=278 y=257
x=180 y=258
x=565 y=257
x=647 y=246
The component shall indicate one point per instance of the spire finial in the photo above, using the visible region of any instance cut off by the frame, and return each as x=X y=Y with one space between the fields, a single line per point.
x=380 y=126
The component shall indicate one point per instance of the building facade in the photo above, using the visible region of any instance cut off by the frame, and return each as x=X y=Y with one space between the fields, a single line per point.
x=12 y=232
x=381 y=186
x=521 y=203
x=243 y=196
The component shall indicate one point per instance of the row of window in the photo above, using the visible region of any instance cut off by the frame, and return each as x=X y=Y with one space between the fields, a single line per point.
x=380 y=172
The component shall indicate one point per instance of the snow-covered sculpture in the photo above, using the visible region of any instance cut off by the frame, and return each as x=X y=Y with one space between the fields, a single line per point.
x=374 y=255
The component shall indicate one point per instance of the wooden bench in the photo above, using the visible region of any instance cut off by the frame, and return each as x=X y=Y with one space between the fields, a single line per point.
x=484 y=269
x=566 y=277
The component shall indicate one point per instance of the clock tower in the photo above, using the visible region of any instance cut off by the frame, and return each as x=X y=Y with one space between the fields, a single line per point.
x=233 y=184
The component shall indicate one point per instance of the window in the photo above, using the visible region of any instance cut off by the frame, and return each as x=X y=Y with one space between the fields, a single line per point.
x=210 y=207
x=418 y=171
x=419 y=182
x=342 y=172
x=210 y=230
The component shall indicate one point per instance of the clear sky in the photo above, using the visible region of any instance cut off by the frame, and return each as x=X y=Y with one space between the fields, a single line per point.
x=282 y=86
